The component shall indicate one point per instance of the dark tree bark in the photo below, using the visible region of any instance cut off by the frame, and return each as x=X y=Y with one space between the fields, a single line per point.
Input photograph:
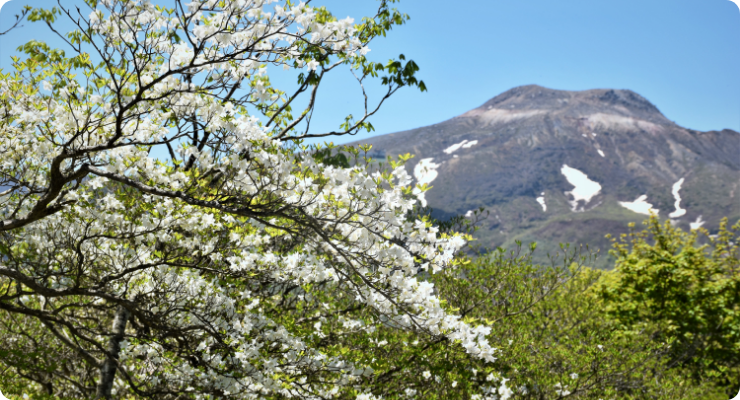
x=108 y=369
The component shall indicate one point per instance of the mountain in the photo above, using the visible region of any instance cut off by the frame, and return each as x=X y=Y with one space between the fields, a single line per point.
x=558 y=166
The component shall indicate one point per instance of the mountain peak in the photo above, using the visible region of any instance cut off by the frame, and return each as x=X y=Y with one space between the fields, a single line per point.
x=574 y=103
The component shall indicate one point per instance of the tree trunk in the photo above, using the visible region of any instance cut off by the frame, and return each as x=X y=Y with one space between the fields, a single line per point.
x=108 y=370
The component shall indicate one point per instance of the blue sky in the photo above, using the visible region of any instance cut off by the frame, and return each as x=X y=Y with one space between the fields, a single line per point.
x=682 y=55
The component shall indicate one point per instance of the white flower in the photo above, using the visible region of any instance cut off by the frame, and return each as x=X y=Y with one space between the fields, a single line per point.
x=561 y=390
x=312 y=65
x=94 y=17
x=146 y=79
x=504 y=391
x=367 y=396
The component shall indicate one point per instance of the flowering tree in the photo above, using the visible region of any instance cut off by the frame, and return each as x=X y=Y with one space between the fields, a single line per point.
x=196 y=275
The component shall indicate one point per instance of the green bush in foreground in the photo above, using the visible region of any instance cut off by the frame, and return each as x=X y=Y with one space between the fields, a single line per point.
x=554 y=338
x=683 y=288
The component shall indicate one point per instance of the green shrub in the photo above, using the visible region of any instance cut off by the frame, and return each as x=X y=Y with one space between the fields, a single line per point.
x=683 y=288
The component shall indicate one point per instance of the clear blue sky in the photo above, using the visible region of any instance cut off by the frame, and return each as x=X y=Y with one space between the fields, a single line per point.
x=682 y=55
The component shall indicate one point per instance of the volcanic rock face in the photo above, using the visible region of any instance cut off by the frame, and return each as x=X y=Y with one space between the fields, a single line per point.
x=560 y=166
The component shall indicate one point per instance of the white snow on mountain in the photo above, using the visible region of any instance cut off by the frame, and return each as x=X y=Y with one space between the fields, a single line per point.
x=541 y=200
x=640 y=206
x=697 y=224
x=464 y=144
x=584 y=189
x=679 y=211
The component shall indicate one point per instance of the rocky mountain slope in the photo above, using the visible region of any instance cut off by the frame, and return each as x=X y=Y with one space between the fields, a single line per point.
x=563 y=166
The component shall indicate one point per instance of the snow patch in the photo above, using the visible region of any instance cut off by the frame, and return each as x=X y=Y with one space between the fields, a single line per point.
x=697 y=224
x=679 y=211
x=464 y=144
x=584 y=188
x=601 y=153
x=640 y=206
x=541 y=200
x=424 y=172
x=454 y=147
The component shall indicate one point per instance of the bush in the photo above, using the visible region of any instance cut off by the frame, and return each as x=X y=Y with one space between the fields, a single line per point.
x=554 y=339
x=684 y=288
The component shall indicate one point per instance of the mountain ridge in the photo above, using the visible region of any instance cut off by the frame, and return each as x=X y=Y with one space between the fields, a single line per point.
x=508 y=155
